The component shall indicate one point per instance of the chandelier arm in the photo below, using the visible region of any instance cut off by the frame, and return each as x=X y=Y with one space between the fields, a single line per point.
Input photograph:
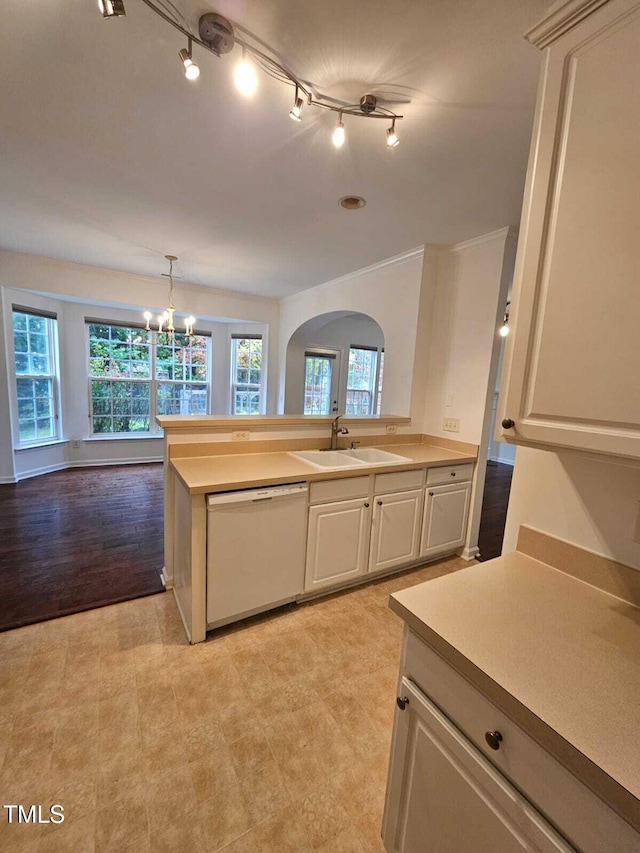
x=277 y=71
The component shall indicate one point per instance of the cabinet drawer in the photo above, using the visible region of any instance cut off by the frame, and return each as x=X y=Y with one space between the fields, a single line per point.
x=336 y=490
x=449 y=474
x=586 y=821
x=398 y=481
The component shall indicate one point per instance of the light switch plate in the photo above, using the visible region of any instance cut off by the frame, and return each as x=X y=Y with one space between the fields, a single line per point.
x=451 y=425
x=240 y=435
x=448 y=401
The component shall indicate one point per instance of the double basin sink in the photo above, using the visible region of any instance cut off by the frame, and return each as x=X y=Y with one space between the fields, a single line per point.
x=333 y=460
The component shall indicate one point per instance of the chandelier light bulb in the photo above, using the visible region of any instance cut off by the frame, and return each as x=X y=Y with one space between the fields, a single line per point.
x=245 y=77
x=111 y=8
x=338 y=134
x=392 y=136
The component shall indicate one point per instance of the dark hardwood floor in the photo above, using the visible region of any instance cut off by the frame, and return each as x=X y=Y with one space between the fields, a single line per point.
x=77 y=539
x=497 y=486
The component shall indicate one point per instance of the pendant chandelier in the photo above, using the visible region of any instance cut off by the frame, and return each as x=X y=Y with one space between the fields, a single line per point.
x=165 y=320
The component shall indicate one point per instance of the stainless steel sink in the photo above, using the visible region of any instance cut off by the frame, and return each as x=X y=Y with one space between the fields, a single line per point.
x=333 y=460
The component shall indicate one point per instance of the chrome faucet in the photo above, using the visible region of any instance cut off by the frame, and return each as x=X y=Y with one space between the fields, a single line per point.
x=337 y=430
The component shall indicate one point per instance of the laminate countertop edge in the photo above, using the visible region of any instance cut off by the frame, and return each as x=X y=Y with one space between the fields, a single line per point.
x=599 y=781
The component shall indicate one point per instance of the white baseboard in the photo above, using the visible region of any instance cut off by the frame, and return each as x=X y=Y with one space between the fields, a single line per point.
x=470 y=553
x=167 y=582
x=84 y=463
x=7 y=480
x=36 y=472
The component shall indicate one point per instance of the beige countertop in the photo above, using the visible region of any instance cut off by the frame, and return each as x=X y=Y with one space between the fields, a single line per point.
x=203 y=474
x=561 y=657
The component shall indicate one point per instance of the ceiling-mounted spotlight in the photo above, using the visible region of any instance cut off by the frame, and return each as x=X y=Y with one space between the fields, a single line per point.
x=504 y=328
x=111 y=8
x=392 y=136
x=338 y=133
x=191 y=70
x=296 y=111
x=245 y=77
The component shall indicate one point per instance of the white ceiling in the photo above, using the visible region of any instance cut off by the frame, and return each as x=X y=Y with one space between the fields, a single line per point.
x=109 y=156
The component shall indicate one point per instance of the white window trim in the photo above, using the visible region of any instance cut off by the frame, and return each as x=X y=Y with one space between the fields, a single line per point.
x=52 y=328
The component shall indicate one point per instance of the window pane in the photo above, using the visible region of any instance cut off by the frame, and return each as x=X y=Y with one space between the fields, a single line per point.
x=182 y=399
x=361 y=379
x=317 y=385
x=246 y=371
x=32 y=338
x=119 y=351
x=127 y=401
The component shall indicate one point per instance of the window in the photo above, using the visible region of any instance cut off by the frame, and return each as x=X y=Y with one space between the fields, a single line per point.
x=246 y=374
x=34 y=347
x=134 y=373
x=363 y=384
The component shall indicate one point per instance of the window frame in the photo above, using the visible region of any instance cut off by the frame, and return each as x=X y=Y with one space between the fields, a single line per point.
x=246 y=386
x=53 y=376
x=375 y=400
x=154 y=431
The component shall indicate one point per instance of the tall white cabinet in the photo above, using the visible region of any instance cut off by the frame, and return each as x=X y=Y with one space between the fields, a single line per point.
x=573 y=361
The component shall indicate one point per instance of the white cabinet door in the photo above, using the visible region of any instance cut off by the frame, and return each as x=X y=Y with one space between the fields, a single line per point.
x=443 y=795
x=337 y=542
x=574 y=360
x=395 y=532
x=445 y=518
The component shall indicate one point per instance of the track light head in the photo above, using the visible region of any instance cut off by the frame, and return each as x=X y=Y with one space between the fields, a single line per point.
x=296 y=111
x=392 y=136
x=339 y=134
x=111 y=8
x=244 y=76
x=191 y=70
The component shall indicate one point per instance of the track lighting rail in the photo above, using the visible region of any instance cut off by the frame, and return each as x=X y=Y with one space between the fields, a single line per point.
x=229 y=37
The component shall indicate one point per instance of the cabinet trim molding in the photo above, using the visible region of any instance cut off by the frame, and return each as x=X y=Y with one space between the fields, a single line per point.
x=561 y=21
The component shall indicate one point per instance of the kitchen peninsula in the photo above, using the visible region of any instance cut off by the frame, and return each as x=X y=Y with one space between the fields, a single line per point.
x=369 y=518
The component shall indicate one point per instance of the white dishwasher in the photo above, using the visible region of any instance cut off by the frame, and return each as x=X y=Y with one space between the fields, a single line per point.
x=255 y=550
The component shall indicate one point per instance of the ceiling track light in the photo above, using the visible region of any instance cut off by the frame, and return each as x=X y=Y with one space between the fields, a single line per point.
x=245 y=77
x=392 y=136
x=339 y=134
x=112 y=8
x=218 y=35
x=191 y=70
x=296 y=111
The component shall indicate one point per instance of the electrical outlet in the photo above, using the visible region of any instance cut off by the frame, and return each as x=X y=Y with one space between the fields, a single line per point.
x=75 y=443
x=240 y=435
x=451 y=425
x=391 y=429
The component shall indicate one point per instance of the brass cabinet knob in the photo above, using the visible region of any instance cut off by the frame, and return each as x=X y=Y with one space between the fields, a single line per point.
x=507 y=423
x=366 y=504
x=430 y=494
x=494 y=739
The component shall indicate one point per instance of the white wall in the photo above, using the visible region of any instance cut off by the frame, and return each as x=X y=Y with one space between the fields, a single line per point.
x=109 y=295
x=389 y=293
x=592 y=504
x=337 y=334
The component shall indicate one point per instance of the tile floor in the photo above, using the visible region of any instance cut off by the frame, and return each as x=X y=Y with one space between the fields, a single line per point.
x=273 y=736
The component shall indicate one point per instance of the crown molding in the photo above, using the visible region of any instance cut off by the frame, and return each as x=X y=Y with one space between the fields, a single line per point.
x=563 y=17
x=410 y=255
x=509 y=232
